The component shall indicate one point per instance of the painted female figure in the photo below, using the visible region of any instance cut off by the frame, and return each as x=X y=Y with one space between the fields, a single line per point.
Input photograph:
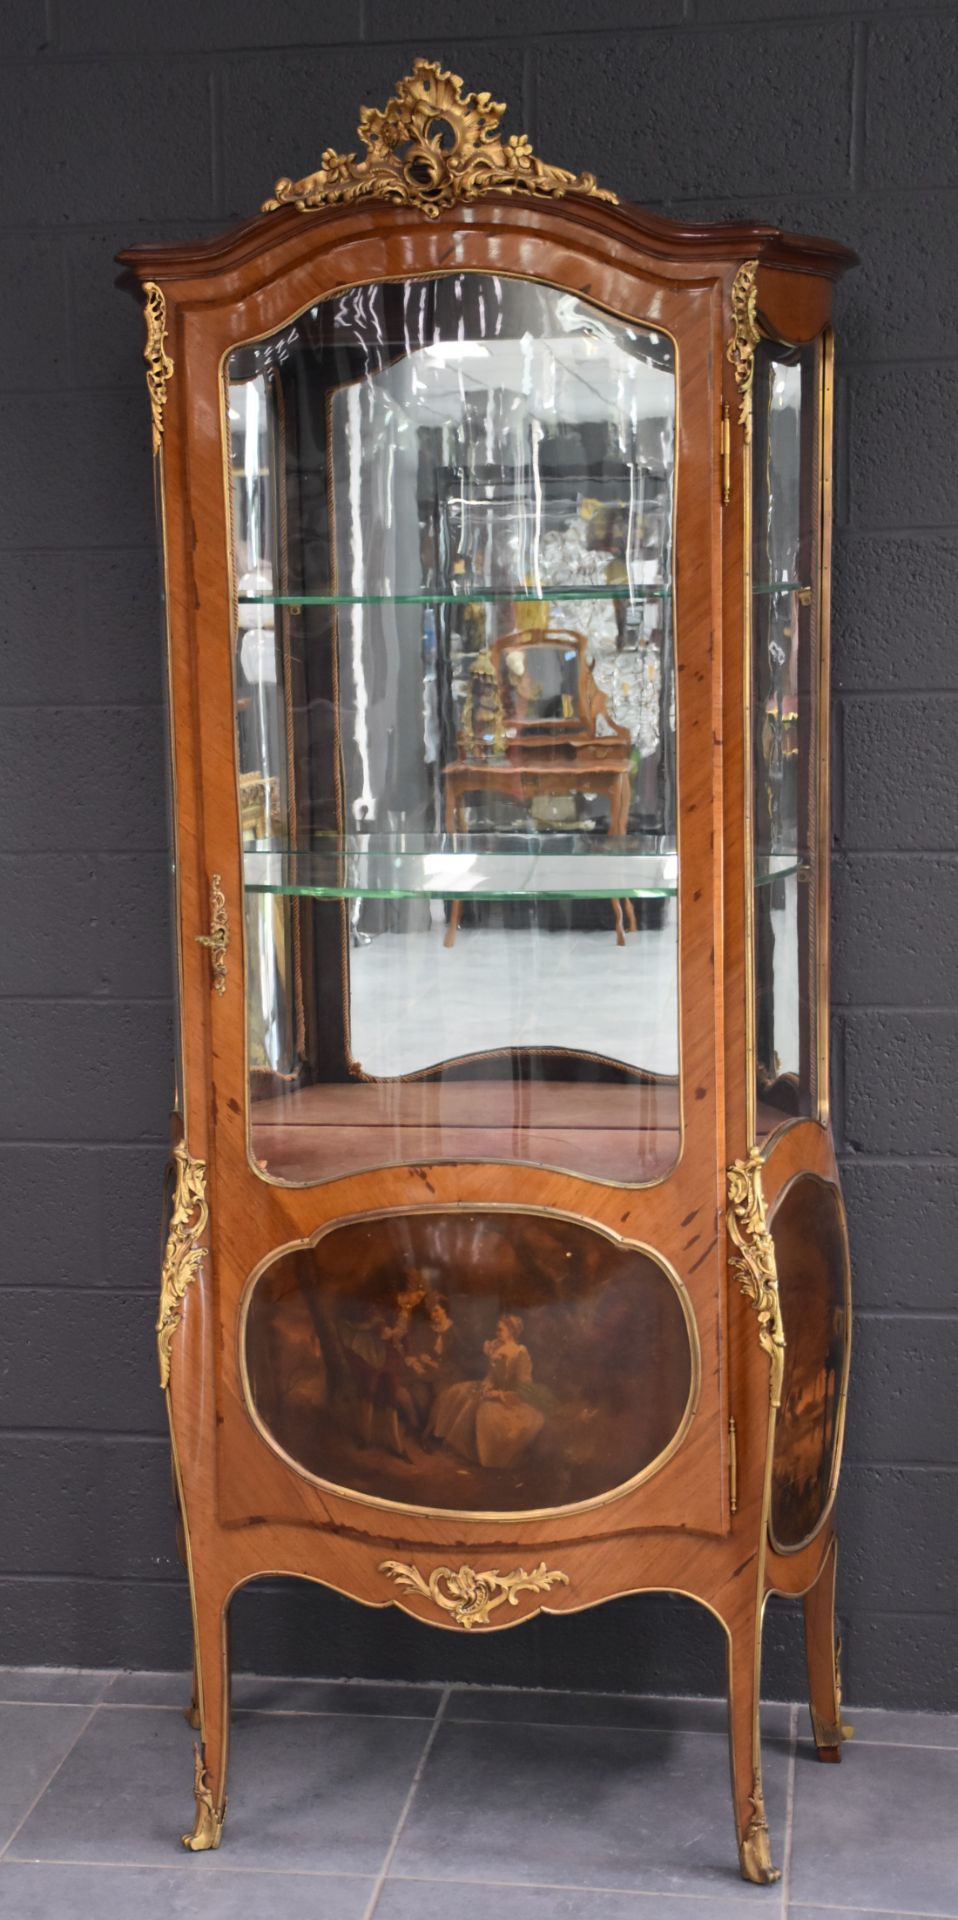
x=492 y=1421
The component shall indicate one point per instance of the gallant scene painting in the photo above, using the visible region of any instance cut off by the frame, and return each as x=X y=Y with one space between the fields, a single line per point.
x=480 y=1361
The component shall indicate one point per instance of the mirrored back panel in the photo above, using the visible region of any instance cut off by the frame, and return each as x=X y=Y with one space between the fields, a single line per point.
x=452 y=525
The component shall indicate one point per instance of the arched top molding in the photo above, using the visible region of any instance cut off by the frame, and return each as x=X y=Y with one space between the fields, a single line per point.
x=434 y=155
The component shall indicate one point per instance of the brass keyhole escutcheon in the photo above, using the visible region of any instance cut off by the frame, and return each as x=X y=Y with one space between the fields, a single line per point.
x=218 y=938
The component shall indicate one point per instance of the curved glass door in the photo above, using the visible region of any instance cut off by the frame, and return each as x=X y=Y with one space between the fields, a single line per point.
x=787 y=735
x=452 y=525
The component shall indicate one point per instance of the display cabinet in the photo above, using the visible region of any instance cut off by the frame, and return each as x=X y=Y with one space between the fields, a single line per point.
x=506 y=1266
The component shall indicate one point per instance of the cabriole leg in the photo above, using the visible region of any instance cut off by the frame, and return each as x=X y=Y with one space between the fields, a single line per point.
x=821 y=1653
x=213 y=1685
x=744 y=1669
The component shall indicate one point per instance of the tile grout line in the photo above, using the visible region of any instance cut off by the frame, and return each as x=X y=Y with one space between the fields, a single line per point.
x=185 y=1866
x=346 y=1713
x=406 y=1807
x=903 y=1746
x=789 y=1808
x=267 y=1713
x=5 y=1849
x=469 y=1720
x=888 y=1913
x=718 y=1900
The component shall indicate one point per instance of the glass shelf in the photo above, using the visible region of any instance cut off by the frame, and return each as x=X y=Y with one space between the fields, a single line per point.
x=770 y=867
x=487 y=596
x=574 y=866
x=560 y=866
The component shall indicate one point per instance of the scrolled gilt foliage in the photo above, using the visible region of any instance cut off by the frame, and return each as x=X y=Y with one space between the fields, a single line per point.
x=159 y=366
x=745 y=338
x=431 y=146
x=753 y=1261
x=469 y=1596
x=185 y=1252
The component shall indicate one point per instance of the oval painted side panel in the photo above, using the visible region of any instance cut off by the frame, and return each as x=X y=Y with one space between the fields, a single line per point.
x=808 y=1228
x=487 y=1361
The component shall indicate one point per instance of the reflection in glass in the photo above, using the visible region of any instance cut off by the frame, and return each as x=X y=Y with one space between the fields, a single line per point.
x=786 y=512
x=452 y=524
x=811 y=1259
x=482 y=1361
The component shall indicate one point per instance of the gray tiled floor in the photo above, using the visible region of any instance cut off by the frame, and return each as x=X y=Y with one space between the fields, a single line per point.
x=412 y=1801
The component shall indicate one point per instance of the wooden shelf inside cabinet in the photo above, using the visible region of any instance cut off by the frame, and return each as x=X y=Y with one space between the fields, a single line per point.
x=506 y=1266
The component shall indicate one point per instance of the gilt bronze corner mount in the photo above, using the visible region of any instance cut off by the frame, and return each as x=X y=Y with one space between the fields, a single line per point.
x=159 y=366
x=185 y=1252
x=753 y=1261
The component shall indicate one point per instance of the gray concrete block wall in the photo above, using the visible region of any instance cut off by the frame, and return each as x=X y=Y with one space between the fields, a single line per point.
x=124 y=122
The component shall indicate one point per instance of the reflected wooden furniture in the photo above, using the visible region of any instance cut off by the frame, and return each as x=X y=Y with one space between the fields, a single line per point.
x=548 y=753
x=725 y=1219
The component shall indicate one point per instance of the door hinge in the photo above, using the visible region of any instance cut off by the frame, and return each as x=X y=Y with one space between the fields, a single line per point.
x=732 y=1465
x=726 y=446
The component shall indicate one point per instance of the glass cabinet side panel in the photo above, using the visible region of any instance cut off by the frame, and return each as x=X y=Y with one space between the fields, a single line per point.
x=786 y=725
x=452 y=525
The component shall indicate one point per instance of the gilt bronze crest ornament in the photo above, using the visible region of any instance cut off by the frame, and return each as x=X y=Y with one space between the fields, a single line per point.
x=431 y=146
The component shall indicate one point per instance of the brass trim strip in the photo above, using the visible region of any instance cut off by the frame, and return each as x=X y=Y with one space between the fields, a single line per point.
x=748 y=794
x=470 y=1596
x=823 y=850
x=726 y=449
x=732 y=1464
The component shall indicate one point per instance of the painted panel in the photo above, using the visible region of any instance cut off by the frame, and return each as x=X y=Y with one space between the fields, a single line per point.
x=485 y=1361
x=812 y=1260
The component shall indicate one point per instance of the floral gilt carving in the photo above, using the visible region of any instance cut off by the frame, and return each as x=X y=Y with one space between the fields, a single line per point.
x=753 y=1261
x=745 y=338
x=159 y=366
x=185 y=1253
x=429 y=147
x=469 y=1596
